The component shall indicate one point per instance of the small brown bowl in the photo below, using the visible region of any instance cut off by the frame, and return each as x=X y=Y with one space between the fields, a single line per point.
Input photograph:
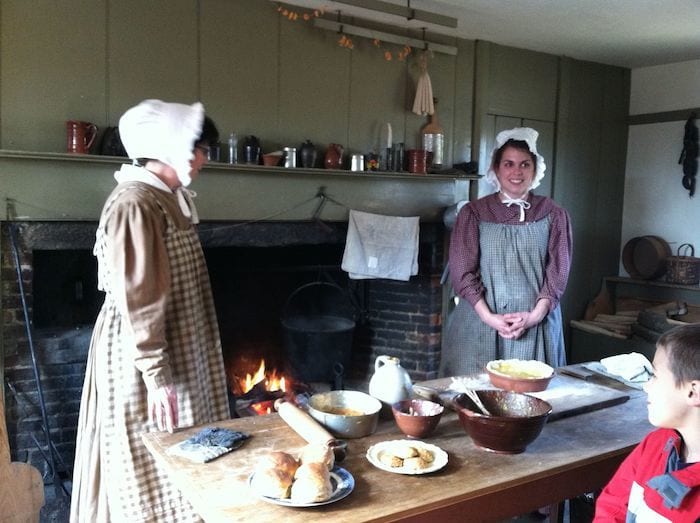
x=536 y=378
x=417 y=418
x=271 y=160
x=516 y=420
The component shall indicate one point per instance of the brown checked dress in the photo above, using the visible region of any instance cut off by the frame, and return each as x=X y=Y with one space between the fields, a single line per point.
x=158 y=326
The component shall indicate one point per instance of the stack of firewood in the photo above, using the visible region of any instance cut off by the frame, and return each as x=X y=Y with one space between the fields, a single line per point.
x=617 y=325
x=648 y=323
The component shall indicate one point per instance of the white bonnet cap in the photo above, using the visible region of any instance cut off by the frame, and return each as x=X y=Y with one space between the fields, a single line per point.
x=163 y=131
x=527 y=135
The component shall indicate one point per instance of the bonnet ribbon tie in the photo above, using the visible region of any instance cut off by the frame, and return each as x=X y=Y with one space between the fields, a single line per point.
x=523 y=204
x=185 y=200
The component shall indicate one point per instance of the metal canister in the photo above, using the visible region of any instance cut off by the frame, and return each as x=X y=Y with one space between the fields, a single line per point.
x=290 y=157
x=357 y=162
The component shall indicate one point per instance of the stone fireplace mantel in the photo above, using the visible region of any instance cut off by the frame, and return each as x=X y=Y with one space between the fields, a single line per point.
x=55 y=186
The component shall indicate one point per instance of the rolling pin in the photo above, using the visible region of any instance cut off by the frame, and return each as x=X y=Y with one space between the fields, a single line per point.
x=309 y=429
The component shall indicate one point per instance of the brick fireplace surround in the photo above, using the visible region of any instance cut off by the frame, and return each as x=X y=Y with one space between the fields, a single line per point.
x=402 y=319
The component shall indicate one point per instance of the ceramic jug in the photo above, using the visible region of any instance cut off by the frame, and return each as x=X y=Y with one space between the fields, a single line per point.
x=390 y=382
x=334 y=156
x=80 y=136
x=307 y=154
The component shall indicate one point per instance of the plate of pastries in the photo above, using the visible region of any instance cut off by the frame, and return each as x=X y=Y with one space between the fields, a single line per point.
x=407 y=456
x=309 y=479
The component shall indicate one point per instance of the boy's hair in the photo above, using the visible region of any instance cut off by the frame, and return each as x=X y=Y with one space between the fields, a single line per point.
x=682 y=346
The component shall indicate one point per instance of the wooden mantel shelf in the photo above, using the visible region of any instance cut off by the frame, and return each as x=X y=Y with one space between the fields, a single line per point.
x=61 y=186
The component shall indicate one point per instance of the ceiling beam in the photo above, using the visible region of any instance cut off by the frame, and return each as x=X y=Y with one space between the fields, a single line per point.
x=403 y=11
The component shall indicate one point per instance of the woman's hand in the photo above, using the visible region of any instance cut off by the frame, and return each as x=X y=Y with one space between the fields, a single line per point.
x=498 y=322
x=521 y=321
x=162 y=407
x=512 y=325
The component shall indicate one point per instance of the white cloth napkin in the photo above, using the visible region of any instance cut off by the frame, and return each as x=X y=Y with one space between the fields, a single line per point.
x=634 y=367
x=379 y=246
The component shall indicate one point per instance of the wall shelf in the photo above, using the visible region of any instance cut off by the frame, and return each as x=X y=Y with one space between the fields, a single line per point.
x=61 y=186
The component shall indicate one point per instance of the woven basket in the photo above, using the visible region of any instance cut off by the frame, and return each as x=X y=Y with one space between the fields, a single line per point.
x=683 y=269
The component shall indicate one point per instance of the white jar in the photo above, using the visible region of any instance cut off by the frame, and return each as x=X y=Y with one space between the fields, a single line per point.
x=390 y=382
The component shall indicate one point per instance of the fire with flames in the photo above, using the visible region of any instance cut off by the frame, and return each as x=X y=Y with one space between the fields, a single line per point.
x=261 y=388
x=272 y=381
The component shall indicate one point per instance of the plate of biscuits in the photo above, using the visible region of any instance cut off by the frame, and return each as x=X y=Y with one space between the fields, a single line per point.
x=407 y=457
x=309 y=479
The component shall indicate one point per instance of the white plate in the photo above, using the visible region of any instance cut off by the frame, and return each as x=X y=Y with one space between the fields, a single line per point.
x=375 y=451
x=342 y=483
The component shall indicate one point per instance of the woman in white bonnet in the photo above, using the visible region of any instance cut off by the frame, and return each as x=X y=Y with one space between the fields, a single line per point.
x=510 y=254
x=155 y=360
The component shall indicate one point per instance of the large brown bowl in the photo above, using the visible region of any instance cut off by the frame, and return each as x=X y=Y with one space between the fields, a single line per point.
x=417 y=418
x=516 y=420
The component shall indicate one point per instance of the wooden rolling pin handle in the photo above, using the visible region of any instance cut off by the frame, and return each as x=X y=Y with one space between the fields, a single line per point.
x=307 y=427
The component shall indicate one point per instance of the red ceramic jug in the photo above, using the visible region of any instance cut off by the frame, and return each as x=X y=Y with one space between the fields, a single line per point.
x=334 y=156
x=80 y=136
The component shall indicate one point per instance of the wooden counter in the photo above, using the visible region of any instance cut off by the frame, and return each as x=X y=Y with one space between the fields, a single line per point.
x=572 y=456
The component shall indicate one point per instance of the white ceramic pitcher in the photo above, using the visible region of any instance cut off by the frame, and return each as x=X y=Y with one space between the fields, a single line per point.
x=390 y=382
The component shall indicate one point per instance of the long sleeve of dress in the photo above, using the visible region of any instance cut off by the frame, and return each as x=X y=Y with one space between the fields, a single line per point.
x=464 y=257
x=141 y=283
x=558 y=258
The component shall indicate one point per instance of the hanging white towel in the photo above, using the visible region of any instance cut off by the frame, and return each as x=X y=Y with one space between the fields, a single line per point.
x=379 y=246
x=423 y=103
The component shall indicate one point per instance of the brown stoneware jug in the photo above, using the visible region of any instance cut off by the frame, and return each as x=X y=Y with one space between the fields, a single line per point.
x=334 y=156
x=80 y=136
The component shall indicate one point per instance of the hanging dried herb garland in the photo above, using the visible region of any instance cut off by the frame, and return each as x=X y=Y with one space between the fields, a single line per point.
x=344 y=40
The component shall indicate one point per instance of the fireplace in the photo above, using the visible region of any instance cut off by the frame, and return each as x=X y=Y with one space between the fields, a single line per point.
x=254 y=268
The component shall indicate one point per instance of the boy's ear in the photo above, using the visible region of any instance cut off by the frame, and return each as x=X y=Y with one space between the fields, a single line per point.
x=694 y=393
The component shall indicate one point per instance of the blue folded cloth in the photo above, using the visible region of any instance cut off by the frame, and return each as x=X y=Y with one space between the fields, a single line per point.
x=208 y=443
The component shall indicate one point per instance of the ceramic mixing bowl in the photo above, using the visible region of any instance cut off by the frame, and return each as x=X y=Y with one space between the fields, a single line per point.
x=516 y=420
x=417 y=418
x=520 y=375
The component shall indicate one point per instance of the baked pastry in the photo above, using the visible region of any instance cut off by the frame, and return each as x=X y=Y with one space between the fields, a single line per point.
x=413 y=464
x=404 y=451
x=390 y=460
x=272 y=483
x=317 y=453
x=279 y=460
x=312 y=483
x=426 y=455
x=274 y=474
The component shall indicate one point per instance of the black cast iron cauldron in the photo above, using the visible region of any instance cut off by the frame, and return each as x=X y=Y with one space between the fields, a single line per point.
x=318 y=326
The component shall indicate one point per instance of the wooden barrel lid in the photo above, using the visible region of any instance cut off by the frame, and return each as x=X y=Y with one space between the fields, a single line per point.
x=644 y=257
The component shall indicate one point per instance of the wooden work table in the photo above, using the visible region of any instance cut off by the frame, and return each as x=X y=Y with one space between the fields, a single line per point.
x=572 y=456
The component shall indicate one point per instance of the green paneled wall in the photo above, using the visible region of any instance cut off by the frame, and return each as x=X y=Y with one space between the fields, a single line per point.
x=255 y=71
x=258 y=73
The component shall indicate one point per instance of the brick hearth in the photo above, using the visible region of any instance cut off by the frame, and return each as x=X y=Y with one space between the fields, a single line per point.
x=402 y=319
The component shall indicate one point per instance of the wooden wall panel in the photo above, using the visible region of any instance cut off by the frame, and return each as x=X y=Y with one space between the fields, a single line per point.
x=523 y=83
x=377 y=95
x=52 y=69
x=153 y=53
x=239 y=68
x=314 y=86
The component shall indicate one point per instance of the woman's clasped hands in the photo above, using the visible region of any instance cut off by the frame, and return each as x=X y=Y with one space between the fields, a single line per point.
x=513 y=325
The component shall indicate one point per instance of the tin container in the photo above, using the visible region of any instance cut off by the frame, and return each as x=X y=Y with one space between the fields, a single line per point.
x=290 y=157
x=357 y=162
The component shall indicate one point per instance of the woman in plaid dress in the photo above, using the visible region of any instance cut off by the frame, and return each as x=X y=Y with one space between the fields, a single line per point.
x=510 y=254
x=155 y=360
